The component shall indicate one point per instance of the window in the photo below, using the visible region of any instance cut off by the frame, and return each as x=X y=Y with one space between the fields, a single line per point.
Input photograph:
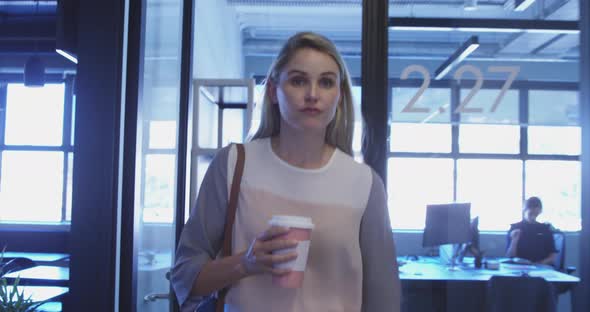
x=412 y=183
x=494 y=189
x=36 y=153
x=159 y=171
x=557 y=183
x=530 y=145
x=554 y=126
x=159 y=187
x=428 y=130
x=499 y=128
x=223 y=118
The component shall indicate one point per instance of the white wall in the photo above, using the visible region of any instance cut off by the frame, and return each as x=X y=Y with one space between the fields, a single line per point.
x=217 y=42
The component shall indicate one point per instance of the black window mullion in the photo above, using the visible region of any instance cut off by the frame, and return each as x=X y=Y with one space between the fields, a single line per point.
x=68 y=112
x=66 y=142
x=220 y=106
x=389 y=116
x=523 y=118
x=64 y=183
x=455 y=120
x=374 y=80
x=582 y=302
x=33 y=148
x=3 y=99
x=145 y=146
x=3 y=91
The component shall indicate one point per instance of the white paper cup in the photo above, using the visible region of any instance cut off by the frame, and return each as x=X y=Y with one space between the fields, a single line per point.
x=300 y=230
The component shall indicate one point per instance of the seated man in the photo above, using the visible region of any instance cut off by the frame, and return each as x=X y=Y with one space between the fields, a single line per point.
x=529 y=239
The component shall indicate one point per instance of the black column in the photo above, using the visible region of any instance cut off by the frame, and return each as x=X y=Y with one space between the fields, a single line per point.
x=186 y=78
x=374 y=71
x=96 y=156
x=130 y=217
x=582 y=301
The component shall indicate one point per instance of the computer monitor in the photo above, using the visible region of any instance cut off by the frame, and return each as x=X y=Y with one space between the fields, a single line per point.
x=472 y=247
x=447 y=224
x=475 y=233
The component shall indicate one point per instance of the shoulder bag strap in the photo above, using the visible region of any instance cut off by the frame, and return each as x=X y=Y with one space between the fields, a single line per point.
x=230 y=217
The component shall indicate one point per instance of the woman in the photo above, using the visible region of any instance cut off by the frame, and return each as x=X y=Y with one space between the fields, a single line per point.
x=529 y=239
x=298 y=162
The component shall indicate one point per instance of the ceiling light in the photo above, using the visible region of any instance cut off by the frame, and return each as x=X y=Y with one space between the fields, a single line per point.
x=70 y=56
x=457 y=57
x=521 y=5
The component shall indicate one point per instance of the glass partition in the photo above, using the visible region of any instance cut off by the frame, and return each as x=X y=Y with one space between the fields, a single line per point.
x=484 y=109
x=157 y=152
x=484 y=80
x=239 y=39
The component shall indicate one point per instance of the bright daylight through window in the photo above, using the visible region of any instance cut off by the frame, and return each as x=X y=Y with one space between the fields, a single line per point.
x=36 y=156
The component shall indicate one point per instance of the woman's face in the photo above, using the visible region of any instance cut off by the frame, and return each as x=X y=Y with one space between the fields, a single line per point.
x=308 y=91
x=531 y=214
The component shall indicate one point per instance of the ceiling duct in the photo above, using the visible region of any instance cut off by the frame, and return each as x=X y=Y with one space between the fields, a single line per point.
x=297 y=3
x=66 y=35
x=34 y=72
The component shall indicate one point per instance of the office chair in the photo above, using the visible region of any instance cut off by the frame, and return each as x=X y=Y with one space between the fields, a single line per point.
x=16 y=264
x=520 y=294
x=559 y=264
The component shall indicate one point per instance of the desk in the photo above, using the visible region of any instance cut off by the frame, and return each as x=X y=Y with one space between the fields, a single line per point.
x=38 y=257
x=428 y=285
x=41 y=275
x=432 y=271
x=155 y=261
x=41 y=293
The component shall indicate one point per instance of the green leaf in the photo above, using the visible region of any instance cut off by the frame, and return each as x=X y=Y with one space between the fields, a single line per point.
x=14 y=301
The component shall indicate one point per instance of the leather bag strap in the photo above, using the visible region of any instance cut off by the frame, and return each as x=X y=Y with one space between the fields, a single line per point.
x=230 y=216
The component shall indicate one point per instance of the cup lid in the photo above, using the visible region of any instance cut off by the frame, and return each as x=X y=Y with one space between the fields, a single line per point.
x=291 y=221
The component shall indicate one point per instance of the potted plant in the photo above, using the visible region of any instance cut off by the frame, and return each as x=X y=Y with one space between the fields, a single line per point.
x=10 y=299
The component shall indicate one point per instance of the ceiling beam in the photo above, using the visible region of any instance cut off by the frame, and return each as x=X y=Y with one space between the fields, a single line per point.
x=488 y=24
x=26 y=28
x=23 y=47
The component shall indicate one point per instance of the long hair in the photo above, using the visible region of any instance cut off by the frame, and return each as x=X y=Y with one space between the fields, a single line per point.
x=340 y=129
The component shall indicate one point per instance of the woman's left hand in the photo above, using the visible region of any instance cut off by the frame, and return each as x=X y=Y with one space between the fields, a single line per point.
x=259 y=257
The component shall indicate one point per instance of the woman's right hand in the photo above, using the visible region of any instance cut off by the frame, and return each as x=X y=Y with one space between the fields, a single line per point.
x=259 y=257
x=515 y=234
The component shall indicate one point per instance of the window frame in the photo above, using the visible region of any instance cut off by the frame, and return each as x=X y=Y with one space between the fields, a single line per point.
x=66 y=147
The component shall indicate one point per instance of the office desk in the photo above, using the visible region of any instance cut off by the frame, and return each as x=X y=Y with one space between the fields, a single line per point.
x=38 y=257
x=155 y=261
x=428 y=285
x=430 y=270
x=41 y=293
x=41 y=275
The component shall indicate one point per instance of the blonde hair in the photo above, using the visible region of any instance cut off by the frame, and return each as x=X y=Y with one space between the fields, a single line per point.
x=340 y=129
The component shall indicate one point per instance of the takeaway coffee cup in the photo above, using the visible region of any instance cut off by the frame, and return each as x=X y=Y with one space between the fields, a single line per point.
x=300 y=230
